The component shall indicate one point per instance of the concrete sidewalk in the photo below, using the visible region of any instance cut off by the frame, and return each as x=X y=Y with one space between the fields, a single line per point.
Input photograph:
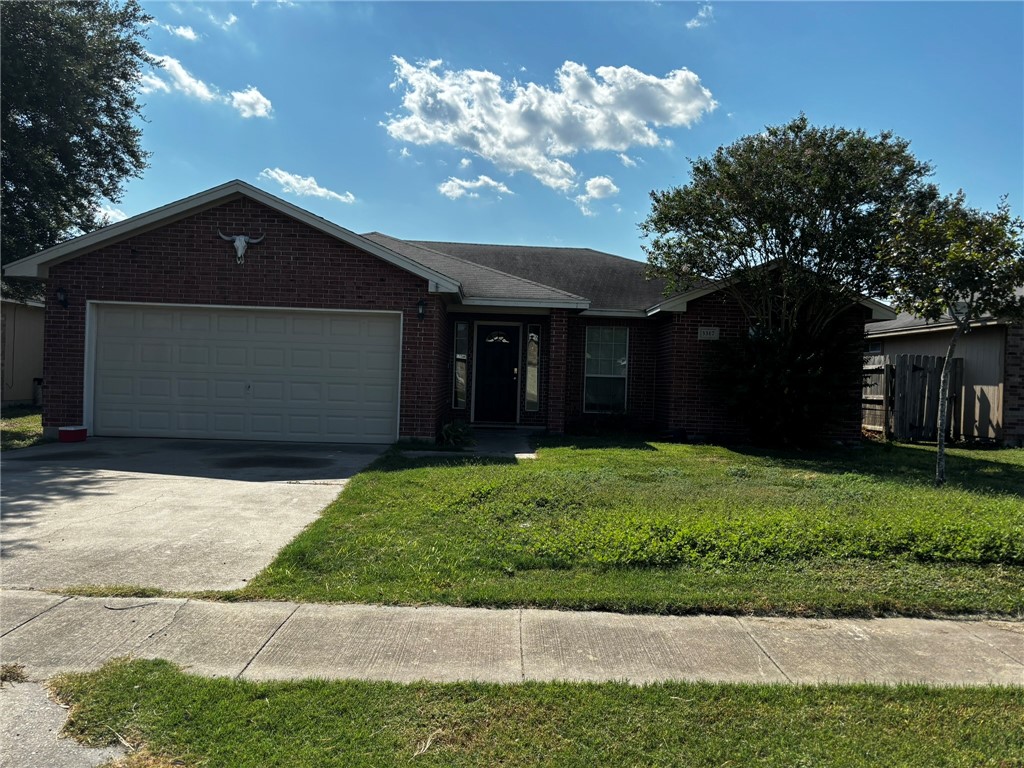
x=285 y=641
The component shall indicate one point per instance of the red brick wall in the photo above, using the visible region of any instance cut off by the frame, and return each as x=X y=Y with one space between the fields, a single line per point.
x=1013 y=387
x=641 y=370
x=185 y=262
x=694 y=408
x=557 y=370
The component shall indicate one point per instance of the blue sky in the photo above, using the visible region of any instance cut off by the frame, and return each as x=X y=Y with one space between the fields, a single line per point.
x=549 y=124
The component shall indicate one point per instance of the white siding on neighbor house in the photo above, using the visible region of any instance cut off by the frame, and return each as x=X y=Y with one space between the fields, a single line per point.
x=22 y=333
x=245 y=374
x=983 y=352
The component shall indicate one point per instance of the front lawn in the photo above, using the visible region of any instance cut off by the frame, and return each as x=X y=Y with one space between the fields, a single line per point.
x=20 y=427
x=189 y=720
x=652 y=527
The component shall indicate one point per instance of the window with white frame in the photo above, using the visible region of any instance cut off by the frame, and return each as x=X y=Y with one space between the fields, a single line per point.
x=604 y=388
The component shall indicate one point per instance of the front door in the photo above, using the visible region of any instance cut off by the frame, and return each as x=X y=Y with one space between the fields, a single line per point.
x=496 y=387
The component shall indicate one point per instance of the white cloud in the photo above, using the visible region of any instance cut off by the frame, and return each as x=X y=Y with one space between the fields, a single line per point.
x=704 y=16
x=149 y=83
x=627 y=161
x=465 y=162
x=405 y=152
x=225 y=23
x=598 y=188
x=534 y=128
x=303 y=186
x=182 y=80
x=251 y=103
x=455 y=188
x=248 y=103
x=186 y=32
x=110 y=213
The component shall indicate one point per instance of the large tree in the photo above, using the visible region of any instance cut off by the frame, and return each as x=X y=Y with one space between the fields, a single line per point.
x=70 y=132
x=954 y=262
x=790 y=222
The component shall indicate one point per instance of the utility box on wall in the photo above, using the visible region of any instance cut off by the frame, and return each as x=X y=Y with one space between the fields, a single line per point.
x=707 y=334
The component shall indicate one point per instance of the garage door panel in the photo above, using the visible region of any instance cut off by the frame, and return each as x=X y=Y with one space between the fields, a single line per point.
x=271 y=326
x=155 y=387
x=159 y=420
x=157 y=321
x=246 y=374
x=189 y=421
x=231 y=357
x=307 y=358
x=232 y=323
x=193 y=388
x=193 y=355
x=268 y=358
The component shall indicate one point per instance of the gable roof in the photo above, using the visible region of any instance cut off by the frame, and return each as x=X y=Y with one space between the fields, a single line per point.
x=38 y=264
x=482 y=285
x=610 y=282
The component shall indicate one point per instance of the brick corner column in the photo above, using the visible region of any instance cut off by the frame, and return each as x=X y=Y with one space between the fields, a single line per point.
x=558 y=350
x=1013 y=386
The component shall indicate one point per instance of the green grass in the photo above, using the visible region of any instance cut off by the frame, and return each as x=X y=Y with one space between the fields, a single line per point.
x=641 y=527
x=20 y=427
x=353 y=723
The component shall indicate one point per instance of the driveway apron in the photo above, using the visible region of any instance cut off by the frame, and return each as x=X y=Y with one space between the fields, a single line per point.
x=174 y=514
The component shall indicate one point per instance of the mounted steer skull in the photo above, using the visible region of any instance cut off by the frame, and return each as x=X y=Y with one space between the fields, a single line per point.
x=240 y=242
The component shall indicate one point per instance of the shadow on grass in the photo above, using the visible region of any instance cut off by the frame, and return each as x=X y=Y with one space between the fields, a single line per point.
x=586 y=442
x=395 y=460
x=914 y=464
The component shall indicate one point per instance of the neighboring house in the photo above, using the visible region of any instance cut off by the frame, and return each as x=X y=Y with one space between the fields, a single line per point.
x=992 y=399
x=21 y=328
x=315 y=333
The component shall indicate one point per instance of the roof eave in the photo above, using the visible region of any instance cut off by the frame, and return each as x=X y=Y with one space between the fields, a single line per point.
x=615 y=313
x=539 y=303
x=947 y=325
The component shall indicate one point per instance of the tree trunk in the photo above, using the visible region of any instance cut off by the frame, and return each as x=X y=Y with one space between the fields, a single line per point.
x=947 y=365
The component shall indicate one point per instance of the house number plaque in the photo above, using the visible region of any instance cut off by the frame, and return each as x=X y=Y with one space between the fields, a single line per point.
x=707 y=334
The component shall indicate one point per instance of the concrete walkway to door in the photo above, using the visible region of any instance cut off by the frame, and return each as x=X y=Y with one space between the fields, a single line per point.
x=175 y=514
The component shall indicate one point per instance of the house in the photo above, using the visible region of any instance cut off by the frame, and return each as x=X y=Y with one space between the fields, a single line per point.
x=991 y=400
x=298 y=329
x=21 y=330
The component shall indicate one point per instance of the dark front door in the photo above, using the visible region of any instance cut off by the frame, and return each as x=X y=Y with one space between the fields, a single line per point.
x=496 y=385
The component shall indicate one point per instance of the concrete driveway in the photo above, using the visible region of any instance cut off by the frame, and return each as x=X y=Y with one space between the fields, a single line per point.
x=176 y=514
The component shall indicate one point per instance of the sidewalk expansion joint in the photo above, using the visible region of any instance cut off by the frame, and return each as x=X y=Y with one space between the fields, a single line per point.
x=33 y=618
x=522 y=652
x=763 y=650
x=980 y=639
x=267 y=641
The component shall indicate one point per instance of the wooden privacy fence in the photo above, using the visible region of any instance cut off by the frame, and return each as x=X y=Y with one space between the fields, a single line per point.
x=901 y=396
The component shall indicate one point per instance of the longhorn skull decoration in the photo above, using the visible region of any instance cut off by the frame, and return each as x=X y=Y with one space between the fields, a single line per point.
x=241 y=242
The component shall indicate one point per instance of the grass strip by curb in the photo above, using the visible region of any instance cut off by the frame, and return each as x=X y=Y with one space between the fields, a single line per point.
x=236 y=724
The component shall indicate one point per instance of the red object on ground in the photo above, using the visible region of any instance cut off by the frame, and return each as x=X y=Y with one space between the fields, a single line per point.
x=71 y=434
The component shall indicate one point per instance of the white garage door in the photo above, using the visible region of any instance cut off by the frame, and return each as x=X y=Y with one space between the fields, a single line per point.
x=246 y=374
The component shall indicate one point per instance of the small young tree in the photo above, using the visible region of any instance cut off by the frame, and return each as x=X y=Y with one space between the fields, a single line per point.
x=954 y=261
x=790 y=222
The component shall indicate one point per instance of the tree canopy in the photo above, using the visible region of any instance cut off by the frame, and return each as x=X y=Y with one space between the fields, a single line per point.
x=789 y=221
x=70 y=133
x=813 y=203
